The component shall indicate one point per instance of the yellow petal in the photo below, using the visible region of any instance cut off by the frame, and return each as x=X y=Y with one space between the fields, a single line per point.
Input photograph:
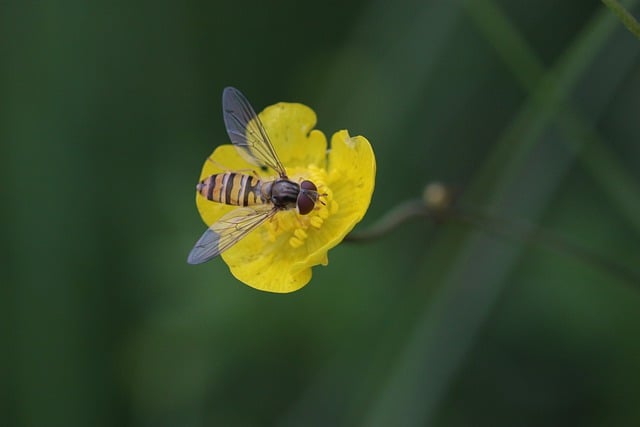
x=352 y=172
x=268 y=270
x=289 y=126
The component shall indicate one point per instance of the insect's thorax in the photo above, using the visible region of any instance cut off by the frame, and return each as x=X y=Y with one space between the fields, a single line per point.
x=283 y=193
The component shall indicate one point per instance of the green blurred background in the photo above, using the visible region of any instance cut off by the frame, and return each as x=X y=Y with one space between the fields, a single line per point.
x=108 y=110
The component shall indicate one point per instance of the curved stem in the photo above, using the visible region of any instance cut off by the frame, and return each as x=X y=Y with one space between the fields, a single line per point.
x=503 y=227
x=398 y=215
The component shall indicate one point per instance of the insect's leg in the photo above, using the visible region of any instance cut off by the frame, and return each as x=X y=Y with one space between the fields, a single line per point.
x=218 y=165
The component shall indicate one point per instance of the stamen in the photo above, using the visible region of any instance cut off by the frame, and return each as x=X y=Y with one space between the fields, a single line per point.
x=334 y=207
x=323 y=212
x=300 y=233
x=295 y=242
x=316 y=221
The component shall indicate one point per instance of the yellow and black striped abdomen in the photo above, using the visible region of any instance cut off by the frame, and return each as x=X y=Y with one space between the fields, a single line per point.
x=232 y=189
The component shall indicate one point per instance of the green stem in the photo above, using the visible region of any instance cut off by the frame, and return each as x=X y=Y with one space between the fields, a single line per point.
x=501 y=226
x=400 y=214
x=625 y=17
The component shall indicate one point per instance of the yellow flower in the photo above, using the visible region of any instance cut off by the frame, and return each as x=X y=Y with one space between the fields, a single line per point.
x=278 y=255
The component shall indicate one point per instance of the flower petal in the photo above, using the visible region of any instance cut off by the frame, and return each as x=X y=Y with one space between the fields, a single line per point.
x=265 y=265
x=352 y=173
x=289 y=126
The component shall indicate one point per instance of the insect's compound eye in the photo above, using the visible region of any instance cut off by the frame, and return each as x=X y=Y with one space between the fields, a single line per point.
x=305 y=203
x=307 y=197
x=308 y=186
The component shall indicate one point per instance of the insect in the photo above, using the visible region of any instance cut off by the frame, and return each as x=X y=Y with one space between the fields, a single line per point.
x=257 y=200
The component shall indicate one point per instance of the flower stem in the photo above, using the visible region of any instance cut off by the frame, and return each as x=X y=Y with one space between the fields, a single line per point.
x=398 y=215
x=625 y=17
x=503 y=227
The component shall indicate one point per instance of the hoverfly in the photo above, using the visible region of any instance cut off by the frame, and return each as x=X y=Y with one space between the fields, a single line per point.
x=257 y=200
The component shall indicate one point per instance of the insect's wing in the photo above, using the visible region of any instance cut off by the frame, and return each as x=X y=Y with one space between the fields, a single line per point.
x=246 y=131
x=227 y=231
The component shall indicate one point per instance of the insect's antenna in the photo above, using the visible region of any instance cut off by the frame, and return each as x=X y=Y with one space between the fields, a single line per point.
x=317 y=196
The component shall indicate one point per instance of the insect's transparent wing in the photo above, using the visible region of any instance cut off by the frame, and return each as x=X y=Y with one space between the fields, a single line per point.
x=246 y=131
x=227 y=231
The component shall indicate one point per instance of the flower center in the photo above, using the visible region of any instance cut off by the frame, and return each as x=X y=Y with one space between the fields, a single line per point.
x=295 y=227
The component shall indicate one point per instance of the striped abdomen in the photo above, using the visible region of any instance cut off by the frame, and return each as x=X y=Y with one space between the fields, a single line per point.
x=232 y=189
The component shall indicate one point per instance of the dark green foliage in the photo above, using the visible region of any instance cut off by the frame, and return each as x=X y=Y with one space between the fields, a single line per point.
x=108 y=110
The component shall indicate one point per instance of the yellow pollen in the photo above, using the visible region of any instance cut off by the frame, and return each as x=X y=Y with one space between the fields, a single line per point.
x=333 y=207
x=295 y=242
x=323 y=212
x=316 y=221
x=300 y=233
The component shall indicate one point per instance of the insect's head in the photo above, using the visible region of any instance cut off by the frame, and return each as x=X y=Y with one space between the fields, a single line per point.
x=307 y=197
